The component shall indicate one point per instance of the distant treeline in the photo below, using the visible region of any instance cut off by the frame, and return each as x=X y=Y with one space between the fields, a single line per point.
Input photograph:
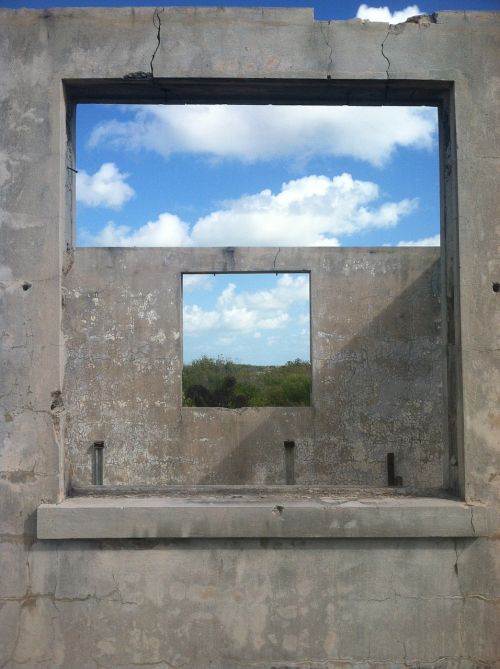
x=222 y=383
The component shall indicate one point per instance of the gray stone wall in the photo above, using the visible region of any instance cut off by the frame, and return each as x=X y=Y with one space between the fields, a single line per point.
x=377 y=361
x=251 y=603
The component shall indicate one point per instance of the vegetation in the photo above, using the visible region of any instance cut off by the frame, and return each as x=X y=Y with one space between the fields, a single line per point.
x=223 y=383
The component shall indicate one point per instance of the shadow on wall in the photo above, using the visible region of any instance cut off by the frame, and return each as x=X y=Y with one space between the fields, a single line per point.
x=377 y=363
x=381 y=391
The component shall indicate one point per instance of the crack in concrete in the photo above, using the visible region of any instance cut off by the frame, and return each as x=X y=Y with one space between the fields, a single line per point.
x=472 y=520
x=156 y=664
x=330 y=46
x=119 y=592
x=309 y=663
x=476 y=595
x=383 y=52
x=455 y=566
x=460 y=589
x=19 y=476
x=28 y=597
x=405 y=654
x=157 y=25
x=276 y=258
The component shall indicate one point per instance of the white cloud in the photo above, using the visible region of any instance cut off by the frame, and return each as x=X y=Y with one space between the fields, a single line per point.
x=167 y=230
x=198 y=320
x=311 y=211
x=198 y=282
x=250 y=133
x=384 y=15
x=105 y=188
x=427 y=241
x=248 y=313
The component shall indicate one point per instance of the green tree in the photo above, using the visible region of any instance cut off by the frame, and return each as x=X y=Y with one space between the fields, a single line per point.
x=220 y=382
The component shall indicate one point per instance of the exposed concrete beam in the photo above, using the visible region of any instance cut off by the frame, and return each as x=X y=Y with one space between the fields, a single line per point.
x=163 y=517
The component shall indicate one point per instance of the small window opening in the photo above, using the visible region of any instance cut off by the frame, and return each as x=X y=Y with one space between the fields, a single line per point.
x=246 y=340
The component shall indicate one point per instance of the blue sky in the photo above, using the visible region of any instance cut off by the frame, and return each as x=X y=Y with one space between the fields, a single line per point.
x=323 y=9
x=260 y=319
x=216 y=175
x=257 y=176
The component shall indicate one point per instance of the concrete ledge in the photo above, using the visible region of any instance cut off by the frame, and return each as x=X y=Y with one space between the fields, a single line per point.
x=164 y=517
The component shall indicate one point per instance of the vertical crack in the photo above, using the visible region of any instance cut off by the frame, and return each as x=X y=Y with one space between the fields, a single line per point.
x=330 y=46
x=472 y=520
x=276 y=258
x=455 y=566
x=157 y=25
x=462 y=594
x=405 y=656
x=383 y=53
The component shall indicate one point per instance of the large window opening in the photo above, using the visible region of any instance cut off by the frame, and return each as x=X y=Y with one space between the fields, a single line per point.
x=257 y=175
x=326 y=190
x=246 y=340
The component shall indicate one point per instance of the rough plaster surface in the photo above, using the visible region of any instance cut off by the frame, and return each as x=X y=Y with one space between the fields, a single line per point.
x=306 y=514
x=377 y=362
x=360 y=603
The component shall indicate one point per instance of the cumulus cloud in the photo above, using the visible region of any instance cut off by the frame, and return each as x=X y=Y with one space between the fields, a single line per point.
x=384 y=14
x=311 y=211
x=167 y=230
x=106 y=188
x=198 y=282
x=426 y=241
x=197 y=320
x=246 y=313
x=250 y=133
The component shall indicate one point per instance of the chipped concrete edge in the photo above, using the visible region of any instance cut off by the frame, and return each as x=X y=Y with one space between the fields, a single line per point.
x=122 y=518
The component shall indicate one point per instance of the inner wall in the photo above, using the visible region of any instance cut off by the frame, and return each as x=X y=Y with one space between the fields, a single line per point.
x=377 y=362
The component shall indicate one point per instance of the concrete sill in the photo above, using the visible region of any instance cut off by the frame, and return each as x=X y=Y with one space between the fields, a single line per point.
x=223 y=517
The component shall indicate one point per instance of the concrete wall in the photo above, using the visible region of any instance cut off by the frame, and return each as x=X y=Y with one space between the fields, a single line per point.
x=250 y=603
x=377 y=363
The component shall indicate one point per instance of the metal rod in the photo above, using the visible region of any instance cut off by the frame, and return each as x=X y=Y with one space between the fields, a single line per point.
x=289 y=462
x=391 y=479
x=98 y=462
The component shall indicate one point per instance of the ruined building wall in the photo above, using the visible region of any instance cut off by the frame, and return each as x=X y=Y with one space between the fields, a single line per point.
x=377 y=369
x=422 y=600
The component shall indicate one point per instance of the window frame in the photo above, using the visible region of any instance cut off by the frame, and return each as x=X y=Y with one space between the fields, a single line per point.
x=257 y=91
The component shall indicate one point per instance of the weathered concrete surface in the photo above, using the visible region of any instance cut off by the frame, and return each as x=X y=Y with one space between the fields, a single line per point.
x=256 y=603
x=223 y=603
x=271 y=515
x=377 y=362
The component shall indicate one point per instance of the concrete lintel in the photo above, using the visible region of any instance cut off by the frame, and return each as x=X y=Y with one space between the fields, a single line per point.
x=162 y=517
